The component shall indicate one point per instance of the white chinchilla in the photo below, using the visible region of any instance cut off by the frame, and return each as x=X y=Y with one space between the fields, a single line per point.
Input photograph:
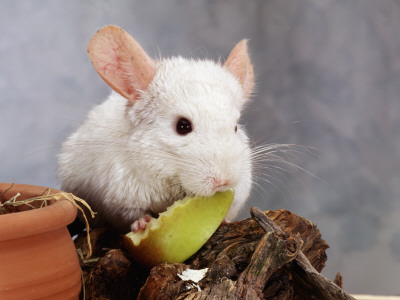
x=169 y=130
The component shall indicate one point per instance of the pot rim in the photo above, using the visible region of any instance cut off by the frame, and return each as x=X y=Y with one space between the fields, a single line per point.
x=38 y=220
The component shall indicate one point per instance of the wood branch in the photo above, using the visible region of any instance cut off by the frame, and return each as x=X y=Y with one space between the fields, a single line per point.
x=242 y=261
x=338 y=280
x=162 y=283
x=113 y=277
x=314 y=246
x=314 y=283
x=303 y=271
x=273 y=252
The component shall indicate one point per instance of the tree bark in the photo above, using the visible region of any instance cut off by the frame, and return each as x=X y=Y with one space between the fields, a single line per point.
x=274 y=255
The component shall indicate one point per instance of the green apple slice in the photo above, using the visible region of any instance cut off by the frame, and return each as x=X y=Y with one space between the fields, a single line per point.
x=180 y=231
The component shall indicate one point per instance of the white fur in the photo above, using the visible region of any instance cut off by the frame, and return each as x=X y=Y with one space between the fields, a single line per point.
x=127 y=161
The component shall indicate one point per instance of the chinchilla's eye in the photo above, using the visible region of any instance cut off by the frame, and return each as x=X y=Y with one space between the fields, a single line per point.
x=235 y=128
x=183 y=126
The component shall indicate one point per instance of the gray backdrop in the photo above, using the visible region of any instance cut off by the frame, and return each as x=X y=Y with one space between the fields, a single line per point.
x=328 y=77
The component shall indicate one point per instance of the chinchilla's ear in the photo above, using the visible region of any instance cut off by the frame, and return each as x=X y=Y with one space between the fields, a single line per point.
x=121 y=62
x=239 y=64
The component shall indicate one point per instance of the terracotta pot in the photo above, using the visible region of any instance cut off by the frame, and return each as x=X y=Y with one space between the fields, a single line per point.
x=38 y=259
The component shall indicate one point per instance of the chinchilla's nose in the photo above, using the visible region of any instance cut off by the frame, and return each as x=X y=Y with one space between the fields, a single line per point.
x=220 y=185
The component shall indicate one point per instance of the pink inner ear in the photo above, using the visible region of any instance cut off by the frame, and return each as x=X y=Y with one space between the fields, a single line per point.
x=121 y=62
x=239 y=64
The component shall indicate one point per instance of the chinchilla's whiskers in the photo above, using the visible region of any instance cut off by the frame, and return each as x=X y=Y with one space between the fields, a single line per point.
x=270 y=170
x=261 y=181
x=272 y=161
x=260 y=188
x=269 y=161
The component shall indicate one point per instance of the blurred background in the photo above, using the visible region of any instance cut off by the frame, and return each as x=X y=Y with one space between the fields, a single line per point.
x=328 y=78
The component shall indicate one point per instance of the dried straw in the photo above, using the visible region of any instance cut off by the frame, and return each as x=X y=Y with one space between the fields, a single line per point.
x=44 y=198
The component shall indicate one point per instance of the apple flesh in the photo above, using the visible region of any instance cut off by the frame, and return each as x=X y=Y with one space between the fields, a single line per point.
x=180 y=231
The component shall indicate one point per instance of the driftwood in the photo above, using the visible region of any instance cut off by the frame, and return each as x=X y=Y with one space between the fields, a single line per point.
x=315 y=286
x=273 y=255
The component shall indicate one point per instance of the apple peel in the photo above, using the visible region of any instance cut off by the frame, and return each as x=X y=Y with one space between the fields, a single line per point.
x=180 y=231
